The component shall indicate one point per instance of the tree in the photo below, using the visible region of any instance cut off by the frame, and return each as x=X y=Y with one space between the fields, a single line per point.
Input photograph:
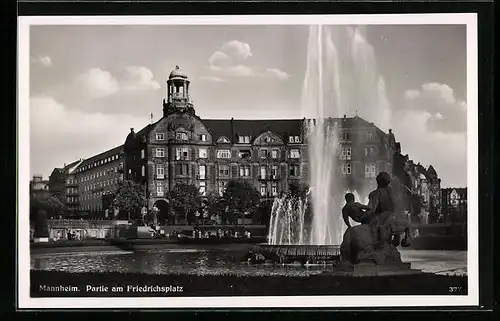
x=298 y=189
x=52 y=207
x=214 y=205
x=130 y=198
x=239 y=199
x=41 y=228
x=185 y=199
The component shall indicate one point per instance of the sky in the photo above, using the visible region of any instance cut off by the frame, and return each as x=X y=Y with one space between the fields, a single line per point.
x=90 y=84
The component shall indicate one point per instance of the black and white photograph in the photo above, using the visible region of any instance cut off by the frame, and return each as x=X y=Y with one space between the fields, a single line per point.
x=248 y=161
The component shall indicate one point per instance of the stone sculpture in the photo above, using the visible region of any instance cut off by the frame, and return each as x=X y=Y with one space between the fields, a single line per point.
x=376 y=239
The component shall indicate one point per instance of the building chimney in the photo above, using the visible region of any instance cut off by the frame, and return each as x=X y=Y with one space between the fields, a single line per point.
x=345 y=116
x=390 y=131
x=132 y=130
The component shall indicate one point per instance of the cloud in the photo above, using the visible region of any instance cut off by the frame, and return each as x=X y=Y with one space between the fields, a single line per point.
x=237 y=49
x=432 y=130
x=45 y=61
x=444 y=112
x=61 y=135
x=215 y=79
x=217 y=57
x=230 y=61
x=281 y=75
x=98 y=83
x=446 y=152
x=139 y=78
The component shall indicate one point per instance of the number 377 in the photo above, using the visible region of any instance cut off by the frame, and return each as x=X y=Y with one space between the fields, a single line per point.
x=454 y=289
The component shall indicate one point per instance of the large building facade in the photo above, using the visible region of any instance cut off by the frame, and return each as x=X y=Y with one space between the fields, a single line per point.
x=454 y=205
x=272 y=154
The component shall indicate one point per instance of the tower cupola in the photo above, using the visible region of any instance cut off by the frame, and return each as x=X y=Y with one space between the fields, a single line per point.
x=177 y=93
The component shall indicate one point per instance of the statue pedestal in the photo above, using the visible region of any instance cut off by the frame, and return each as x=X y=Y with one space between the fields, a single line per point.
x=372 y=269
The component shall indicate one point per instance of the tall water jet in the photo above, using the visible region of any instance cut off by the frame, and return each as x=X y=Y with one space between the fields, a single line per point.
x=341 y=79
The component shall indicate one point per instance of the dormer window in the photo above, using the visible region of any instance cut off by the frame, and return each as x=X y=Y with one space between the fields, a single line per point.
x=223 y=140
x=244 y=139
x=203 y=137
x=297 y=139
x=160 y=136
x=181 y=136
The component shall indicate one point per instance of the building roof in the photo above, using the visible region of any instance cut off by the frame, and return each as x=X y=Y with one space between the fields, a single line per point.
x=108 y=153
x=231 y=128
x=66 y=169
x=178 y=73
x=461 y=191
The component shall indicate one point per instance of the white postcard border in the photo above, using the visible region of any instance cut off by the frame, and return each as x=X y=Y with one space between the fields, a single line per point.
x=23 y=262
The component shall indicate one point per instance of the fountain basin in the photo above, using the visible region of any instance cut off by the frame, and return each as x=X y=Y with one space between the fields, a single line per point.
x=303 y=254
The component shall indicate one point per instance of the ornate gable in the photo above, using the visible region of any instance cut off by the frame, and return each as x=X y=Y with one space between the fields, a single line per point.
x=268 y=139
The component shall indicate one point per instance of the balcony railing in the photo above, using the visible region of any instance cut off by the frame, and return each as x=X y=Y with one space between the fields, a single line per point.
x=269 y=177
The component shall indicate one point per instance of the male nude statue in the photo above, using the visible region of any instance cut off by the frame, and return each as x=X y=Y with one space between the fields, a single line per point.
x=354 y=210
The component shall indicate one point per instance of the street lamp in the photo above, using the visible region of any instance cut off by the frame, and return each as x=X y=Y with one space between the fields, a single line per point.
x=155 y=215
x=144 y=212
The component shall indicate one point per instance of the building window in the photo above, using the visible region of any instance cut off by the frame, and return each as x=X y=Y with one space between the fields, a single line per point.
x=274 y=189
x=160 y=171
x=181 y=153
x=143 y=154
x=203 y=137
x=160 y=152
x=370 y=170
x=291 y=139
x=369 y=136
x=346 y=169
x=263 y=153
x=263 y=189
x=244 y=139
x=346 y=153
x=297 y=139
x=245 y=171
x=223 y=170
x=203 y=188
x=159 y=189
x=223 y=153
x=245 y=154
x=221 y=188
x=345 y=135
x=202 y=169
x=143 y=170
x=274 y=153
x=263 y=172
x=182 y=169
x=294 y=153
x=294 y=170
x=274 y=171
x=202 y=153
x=181 y=136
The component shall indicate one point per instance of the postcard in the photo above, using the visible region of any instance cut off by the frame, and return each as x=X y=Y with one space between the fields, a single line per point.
x=248 y=161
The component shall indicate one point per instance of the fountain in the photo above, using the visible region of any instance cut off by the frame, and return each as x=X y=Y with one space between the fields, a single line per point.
x=340 y=78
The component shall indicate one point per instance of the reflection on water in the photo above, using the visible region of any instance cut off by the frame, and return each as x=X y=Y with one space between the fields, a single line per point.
x=202 y=261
